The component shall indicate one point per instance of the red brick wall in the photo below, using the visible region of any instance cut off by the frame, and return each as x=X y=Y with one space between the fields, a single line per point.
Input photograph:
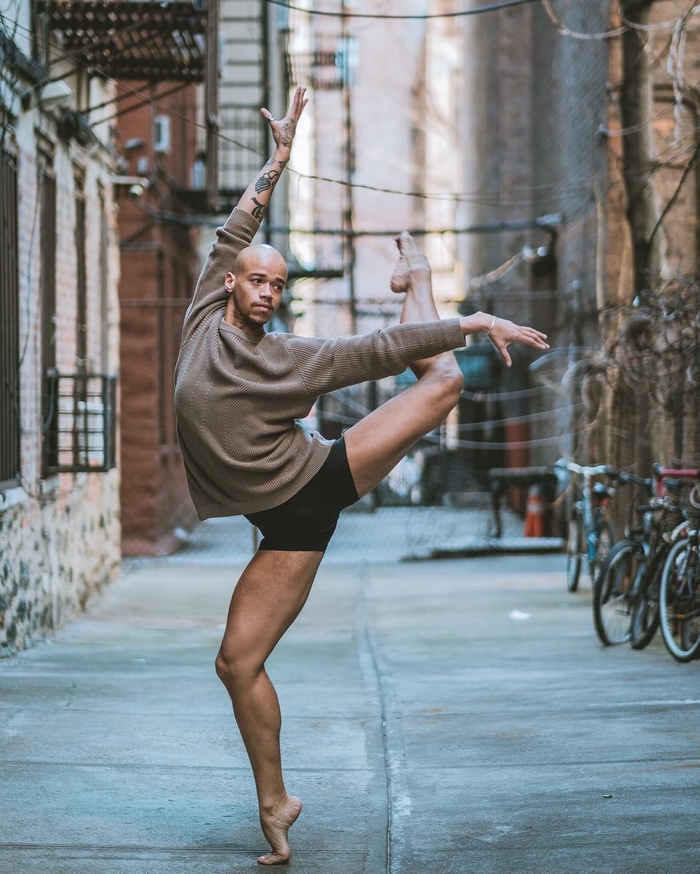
x=159 y=269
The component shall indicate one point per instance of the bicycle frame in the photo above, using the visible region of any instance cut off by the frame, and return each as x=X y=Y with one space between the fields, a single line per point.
x=592 y=519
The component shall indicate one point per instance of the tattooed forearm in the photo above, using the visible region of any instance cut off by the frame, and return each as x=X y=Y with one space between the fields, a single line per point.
x=266 y=180
x=258 y=210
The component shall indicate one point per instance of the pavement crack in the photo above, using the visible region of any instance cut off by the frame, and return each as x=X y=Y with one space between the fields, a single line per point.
x=398 y=800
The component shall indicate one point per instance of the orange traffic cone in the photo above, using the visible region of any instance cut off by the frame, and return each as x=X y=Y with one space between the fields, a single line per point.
x=534 y=515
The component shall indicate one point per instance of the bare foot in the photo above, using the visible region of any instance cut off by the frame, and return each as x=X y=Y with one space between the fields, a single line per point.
x=412 y=264
x=275 y=826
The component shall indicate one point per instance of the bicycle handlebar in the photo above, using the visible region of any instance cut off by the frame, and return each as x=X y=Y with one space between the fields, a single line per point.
x=605 y=469
x=625 y=477
x=586 y=470
x=676 y=473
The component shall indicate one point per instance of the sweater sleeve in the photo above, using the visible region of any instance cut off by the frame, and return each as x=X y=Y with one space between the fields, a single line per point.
x=326 y=365
x=210 y=292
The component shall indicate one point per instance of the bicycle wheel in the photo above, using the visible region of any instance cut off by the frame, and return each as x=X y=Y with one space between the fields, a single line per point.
x=679 y=601
x=574 y=545
x=612 y=604
x=645 y=610
x=604 y=543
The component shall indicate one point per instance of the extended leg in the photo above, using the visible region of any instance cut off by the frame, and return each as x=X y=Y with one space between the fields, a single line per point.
x=376 y=444
x=269 y=595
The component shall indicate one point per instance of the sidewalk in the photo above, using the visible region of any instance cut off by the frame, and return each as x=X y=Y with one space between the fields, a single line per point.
x=454 y=716
x=385 y=535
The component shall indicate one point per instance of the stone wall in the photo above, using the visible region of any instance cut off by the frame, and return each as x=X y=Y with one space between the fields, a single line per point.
x=57 y=551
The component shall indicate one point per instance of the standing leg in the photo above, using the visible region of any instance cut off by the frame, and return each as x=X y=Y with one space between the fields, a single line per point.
x=378 y=442
x=269 y=595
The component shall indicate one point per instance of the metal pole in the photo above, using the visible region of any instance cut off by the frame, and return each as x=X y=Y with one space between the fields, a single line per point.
x=349 y=170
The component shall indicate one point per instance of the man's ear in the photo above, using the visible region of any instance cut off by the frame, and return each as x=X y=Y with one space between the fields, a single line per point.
x=229 y=281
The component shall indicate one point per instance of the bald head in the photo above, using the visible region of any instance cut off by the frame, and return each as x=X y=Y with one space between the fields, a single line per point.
x=255 y=286
x=260 y=256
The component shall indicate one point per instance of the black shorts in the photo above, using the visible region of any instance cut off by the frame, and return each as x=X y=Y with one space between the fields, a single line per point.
x=306 y=522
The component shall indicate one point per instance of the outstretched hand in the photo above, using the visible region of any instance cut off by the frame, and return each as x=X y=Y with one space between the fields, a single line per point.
x=504 y=333
x=283 y=129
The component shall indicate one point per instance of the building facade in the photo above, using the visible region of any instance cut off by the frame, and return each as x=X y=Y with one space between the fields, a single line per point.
x=59 y=486
x=586 y=122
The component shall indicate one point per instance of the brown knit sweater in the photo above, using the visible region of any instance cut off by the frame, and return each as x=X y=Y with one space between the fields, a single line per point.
x=237 y=400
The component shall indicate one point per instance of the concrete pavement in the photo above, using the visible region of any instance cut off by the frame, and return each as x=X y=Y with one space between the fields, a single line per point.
x=454 y=716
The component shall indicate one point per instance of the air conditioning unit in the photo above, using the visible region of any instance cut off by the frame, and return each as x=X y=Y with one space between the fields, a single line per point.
x=161 y=134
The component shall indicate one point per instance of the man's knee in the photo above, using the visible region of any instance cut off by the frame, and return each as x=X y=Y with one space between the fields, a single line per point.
x=449 y=382
x=233 y=669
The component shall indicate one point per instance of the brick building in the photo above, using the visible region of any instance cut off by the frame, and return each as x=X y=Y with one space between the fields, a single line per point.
x=64 y=180
x=573 y=113
x=159 y=266
x=59 y=488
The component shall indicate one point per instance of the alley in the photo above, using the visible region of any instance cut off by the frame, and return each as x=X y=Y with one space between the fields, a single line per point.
x=462 y=708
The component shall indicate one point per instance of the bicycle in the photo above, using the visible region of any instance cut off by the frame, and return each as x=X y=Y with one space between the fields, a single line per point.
x=679 y=595
x=668 y=484
x=625 y=596
x=589 y=536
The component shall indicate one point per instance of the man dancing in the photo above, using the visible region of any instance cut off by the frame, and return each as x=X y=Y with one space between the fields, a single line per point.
x=238 y=394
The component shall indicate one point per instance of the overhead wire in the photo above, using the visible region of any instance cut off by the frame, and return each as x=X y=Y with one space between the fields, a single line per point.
x=659 y=25
x=627 y=24
x=379 y=16
x=466 y=444
x=565 y=31
x=456 y=197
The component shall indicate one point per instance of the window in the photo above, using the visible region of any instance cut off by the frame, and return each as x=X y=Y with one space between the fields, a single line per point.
x=48 y=314
x=161 y=136
x=84 y=407
x=81 y=345
x=9 y=325
x=104 y=286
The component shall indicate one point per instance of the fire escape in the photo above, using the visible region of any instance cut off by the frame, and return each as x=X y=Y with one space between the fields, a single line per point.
x=243 y=89
x=146 y=41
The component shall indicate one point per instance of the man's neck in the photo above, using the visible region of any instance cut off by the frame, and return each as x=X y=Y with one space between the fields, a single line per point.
x=252 y=331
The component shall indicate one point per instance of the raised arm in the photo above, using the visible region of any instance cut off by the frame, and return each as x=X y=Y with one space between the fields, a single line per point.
x=241 y=226
x=257 y=195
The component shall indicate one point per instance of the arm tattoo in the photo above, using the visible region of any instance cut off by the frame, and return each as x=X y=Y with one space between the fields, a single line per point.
x=266 y=180
x=259 y=210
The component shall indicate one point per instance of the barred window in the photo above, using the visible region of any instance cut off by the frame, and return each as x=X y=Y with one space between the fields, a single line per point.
x=9 y=325
x=83 y=408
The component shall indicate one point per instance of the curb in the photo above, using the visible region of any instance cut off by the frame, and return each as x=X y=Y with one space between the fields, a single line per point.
x=491 y=546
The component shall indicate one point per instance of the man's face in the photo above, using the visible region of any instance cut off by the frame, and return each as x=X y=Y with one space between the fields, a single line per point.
x=256 y=286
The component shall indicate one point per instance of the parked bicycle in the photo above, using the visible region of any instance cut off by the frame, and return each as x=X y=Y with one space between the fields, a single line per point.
x=590 y=535
x=679 y=596
x=625 y=595
x=669 y=485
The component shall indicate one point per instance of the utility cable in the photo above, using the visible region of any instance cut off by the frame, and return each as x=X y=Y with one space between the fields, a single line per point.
x=660 y=25
x=491 y=7
x=564 y=31
x=455 y=197
x=464 y=444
